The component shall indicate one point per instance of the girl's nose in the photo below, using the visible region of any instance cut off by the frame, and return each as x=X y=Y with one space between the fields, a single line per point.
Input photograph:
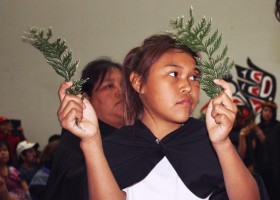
x=185 y=86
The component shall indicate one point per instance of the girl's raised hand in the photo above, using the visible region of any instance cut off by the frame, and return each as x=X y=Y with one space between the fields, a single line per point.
x=221 y=114
x=76 y=114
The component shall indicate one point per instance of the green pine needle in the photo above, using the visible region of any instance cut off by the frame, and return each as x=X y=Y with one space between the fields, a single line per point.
x=57 y=54
x=195 y=37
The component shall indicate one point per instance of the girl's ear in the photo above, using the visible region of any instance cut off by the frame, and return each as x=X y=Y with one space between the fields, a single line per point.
x=135 y=80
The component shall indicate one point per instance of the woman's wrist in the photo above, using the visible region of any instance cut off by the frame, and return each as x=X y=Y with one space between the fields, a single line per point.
x=91 y=144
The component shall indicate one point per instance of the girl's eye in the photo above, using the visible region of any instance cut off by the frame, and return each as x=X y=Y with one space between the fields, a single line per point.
x=194 y=77
x=174 y=74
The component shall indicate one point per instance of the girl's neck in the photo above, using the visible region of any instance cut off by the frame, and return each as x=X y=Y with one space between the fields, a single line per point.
x=160 y=128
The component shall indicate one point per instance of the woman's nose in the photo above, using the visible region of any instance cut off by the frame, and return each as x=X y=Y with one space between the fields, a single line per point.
x=119 y=92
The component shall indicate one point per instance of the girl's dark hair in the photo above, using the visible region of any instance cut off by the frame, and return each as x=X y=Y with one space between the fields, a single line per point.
x=273 y=107
x=96 y=71
x=140 y=60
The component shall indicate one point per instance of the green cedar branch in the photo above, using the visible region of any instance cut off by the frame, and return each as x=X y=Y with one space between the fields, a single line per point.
x=197 y=38
x=57 y=54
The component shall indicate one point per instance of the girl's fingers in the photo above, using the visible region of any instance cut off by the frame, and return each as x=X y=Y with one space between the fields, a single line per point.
x=225 y=86
x=219 y=109
x=225 y=98
x=62 y=89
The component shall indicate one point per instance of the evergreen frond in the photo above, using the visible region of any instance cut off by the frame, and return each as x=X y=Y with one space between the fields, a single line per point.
x=195 y=37
x=57 y=54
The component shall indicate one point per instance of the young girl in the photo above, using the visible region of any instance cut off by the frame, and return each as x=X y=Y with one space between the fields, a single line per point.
x=164 y=153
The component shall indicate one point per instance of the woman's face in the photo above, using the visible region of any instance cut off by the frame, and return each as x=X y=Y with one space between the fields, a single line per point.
x=4 y=154
x=108 y=99
x=172 y=89
x=267 y=114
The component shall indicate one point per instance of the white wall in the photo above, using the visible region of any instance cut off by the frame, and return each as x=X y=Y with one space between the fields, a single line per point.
x=92 y=28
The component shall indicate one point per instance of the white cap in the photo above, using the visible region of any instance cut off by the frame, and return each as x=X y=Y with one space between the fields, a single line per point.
x=24 y=145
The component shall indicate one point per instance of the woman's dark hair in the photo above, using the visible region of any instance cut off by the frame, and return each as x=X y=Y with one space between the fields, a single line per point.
x=5 y=143
x=273 y=107
x=96 y=71
x=48 y=154
x=139 y=60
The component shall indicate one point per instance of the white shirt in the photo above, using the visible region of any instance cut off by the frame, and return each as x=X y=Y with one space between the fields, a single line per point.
x=162 y=183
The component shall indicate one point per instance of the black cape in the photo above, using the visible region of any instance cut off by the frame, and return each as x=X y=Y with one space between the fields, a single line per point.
x=133 y=151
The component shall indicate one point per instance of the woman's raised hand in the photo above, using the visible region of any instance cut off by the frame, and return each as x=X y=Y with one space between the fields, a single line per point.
x=76 y=114
x=221 y=114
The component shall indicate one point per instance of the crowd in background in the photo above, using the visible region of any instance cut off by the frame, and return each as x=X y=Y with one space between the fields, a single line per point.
x=24 y=169
x=258 y=144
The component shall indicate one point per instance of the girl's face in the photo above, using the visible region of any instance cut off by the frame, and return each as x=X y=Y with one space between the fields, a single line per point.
x=108 y=99
x=172 y=89
x=4 y=154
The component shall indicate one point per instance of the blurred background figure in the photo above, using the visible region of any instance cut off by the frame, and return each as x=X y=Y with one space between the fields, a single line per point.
x=54 y=137
x=267 y=149
x=12 y=132
x=28 y=159
x=15 y=185
x=4 y=193
x=259 y=147
x=242 y=139
x=39 y=181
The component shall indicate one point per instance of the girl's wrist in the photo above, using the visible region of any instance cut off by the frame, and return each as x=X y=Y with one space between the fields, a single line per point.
x=222 y=145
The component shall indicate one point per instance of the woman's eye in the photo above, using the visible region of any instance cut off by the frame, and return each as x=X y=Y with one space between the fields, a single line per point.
x=109 y=86
x=174 y=74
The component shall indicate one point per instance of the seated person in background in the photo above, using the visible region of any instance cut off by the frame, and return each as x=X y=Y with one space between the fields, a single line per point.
x=28 y=159
x=7 y=134
x=39 y=181
x=4 y=193
x=68 y=178
x=15 y=185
